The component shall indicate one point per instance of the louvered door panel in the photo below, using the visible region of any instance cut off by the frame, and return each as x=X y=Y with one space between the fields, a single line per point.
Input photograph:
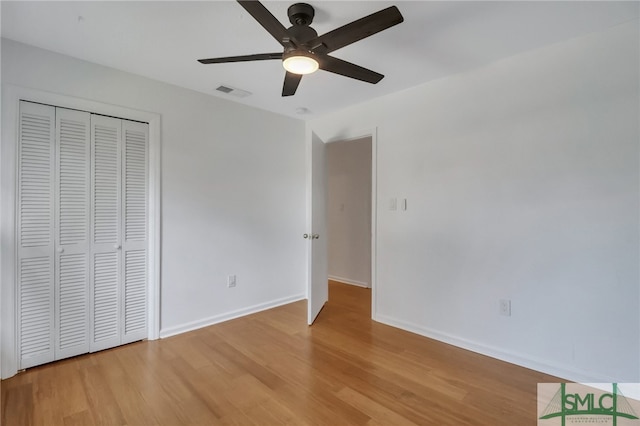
x=35 y=234
x=106 y=183
x=134 y=302
x=73 y=306
x=135 y=183
x=105 y=231
x=36 y=311
x=135 y=296
x=73 y=218
x=36 y=175
x=105 y=301
x=73 y=176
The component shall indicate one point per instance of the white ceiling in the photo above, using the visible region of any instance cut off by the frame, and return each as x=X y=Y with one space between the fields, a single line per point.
x=162 y=40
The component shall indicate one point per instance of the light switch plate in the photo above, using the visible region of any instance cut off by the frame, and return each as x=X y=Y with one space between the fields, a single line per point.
x=505 y=307
x=231 y=281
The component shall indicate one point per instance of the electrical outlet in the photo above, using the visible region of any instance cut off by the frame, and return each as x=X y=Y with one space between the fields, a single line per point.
x=505 y=307
x=231 y=281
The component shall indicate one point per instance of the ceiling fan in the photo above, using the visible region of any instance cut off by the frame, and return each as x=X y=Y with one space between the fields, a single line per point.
x=305 y=51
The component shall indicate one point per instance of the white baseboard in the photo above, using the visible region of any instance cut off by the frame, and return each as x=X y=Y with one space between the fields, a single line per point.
x=348 y=281
x=205 y=322
x=543 y=366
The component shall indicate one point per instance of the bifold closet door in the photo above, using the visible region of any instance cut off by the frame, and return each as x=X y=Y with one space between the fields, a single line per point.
x=119 y=179
x=72 y=232
x=35 y=217
x=82 y=233
x=134 y=215
x=53 y=233
x=106 y=243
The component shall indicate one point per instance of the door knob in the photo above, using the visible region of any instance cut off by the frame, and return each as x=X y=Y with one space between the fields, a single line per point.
x=306 y=236
x=315 y=236
x=116 y=246
x=60 y=250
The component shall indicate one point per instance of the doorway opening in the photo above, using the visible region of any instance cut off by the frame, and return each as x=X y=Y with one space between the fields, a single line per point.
x=317 y=188
x=349 y=211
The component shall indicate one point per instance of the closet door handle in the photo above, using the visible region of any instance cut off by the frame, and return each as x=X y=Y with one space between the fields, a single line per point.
x=60 y=250
x=117 y=246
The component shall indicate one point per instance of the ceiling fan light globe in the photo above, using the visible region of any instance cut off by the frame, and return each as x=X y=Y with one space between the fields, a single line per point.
x=300 y=65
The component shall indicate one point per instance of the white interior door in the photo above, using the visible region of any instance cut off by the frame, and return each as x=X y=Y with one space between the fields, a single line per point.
x=106 y=243
x=318 y=291
x=72 y=232
x=36 y=162
x=134 y=238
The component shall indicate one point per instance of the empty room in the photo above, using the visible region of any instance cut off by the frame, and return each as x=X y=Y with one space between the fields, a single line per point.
x=171 y=184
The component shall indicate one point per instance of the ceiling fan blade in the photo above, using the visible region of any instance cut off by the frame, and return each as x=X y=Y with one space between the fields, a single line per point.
x=357 y=30
x=267 y=20
x=347 y=69
x=291 y=82
x=243 y=58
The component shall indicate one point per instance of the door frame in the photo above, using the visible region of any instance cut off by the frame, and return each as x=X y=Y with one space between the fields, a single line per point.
x=345 y=137
x=11 y=97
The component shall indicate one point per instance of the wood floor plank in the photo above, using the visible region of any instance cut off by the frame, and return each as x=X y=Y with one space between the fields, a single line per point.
x=82 y=418
x=272 y=412
x=102 y=403
x=271 y=368
x=378 y=413
x=20 y=398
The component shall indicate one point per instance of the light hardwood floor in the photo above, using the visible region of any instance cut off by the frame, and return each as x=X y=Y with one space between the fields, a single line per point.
x=270 y=368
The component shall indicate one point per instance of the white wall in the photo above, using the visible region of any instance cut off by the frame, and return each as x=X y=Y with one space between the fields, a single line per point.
x=349 y=211
x=233 y=187
x=522 y=183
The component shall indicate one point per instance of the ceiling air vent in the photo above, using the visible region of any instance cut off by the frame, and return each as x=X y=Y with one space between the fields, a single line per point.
x=224 y=89
x=228 y=90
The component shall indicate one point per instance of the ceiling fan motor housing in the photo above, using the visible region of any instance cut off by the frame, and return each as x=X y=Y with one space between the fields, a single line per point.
x=301 y=14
